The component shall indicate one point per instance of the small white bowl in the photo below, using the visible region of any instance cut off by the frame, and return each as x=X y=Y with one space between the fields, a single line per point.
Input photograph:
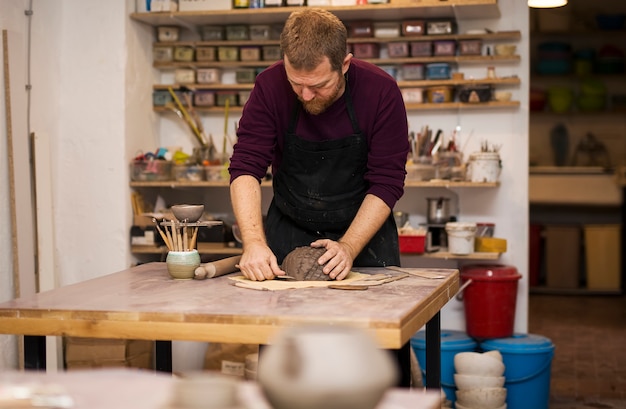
x=484 y=398
x=475 y=363
x=474 y=381
x=502 y=96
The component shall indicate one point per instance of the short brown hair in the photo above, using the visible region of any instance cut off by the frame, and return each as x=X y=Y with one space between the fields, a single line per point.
x=312 y=34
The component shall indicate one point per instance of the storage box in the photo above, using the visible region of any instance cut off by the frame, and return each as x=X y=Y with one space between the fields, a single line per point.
x=271 y=53
x=603 y=256
x=387 y=29
x=475 y=93
x=203 y=98
x=245 y=75
x=562 y=256
x=413 y=72
x=237 y=32
x=206 y=53
x=227 y=53
x=208 y=75
x=162 y=54
x=438 y=71
x=413 y=95
x=212 y=33
x=168 y=33
x=365 y=50
x=260 y=32
x=398 y=49
x=413 y=28
x=444 y=47
x=412 y=244
x=421 y=48
x=441 y=27
x=151 y=170
x=250 y=53
x=188 y=173
x=183 y=54
x=184 y=75
x=192 y=5
x=470 y=47
x=441 y=94
x=361 y=29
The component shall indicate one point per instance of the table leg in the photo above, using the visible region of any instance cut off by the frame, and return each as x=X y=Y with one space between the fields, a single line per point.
x=35 y=352
x=163 y=356
x=433 y=352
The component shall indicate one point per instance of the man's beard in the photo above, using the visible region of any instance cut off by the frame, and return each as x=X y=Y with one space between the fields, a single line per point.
x=318 y=105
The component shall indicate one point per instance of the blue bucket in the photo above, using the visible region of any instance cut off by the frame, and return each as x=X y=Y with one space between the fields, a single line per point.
x=527 y=359
x=452 y=342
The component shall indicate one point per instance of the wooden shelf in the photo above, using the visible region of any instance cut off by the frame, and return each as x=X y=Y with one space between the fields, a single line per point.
x=402 y=84
x=487 y=37
x=449 y=256
x=222 y=249
x=454 y=59
x=203 y=248
x=189 y=184
x=461 y=9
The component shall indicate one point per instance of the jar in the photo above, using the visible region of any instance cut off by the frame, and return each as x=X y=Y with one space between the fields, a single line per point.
x=241 y=4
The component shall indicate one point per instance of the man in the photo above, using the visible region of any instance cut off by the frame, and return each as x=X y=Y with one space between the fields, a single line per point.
x=335 y=131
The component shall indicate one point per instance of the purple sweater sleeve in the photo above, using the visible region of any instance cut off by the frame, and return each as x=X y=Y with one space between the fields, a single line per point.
x=380 y=113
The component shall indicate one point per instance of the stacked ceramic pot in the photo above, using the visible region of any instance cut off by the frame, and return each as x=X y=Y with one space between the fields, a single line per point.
x=479 y=379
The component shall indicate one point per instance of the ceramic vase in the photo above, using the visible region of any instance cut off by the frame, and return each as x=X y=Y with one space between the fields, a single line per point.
x=182 y=264
x=320 y=367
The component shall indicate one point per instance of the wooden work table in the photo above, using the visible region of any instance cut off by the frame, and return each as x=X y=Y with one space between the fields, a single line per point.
x=143 y=302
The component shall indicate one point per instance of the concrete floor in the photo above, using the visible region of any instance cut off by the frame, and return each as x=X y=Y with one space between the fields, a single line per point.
x=589 y=364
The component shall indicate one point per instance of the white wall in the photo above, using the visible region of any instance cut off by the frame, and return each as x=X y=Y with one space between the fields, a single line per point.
x=92 y=76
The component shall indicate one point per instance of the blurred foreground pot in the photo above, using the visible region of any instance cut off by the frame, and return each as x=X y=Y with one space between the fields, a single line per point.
x=325 y=368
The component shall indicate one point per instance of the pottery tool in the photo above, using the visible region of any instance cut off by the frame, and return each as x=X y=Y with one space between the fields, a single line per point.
x=163 y=236
x=225 y=139
x=188 y=119
x=217 y=268
x=194 y=237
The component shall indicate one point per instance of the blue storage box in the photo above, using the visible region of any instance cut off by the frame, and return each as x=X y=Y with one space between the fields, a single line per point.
x=438 y=71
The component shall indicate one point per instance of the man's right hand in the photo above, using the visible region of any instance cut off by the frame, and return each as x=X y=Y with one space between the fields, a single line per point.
x=258 y=263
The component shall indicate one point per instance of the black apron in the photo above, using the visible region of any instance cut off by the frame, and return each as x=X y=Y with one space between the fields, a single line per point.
x=318 y=191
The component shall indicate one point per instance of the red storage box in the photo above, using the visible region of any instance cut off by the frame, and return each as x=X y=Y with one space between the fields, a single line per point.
x=412 y=243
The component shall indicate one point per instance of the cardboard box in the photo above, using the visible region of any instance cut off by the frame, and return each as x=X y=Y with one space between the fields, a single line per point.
x=195 y=5
x=82 y=353
x=603 y=256
x=563 y=245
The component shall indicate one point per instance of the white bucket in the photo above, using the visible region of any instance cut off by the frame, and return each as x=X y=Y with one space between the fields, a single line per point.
x=484 y=167
x=461 y=237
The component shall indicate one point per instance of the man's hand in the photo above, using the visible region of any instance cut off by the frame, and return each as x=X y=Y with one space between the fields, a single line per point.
x=337 y=259
x=258 y=263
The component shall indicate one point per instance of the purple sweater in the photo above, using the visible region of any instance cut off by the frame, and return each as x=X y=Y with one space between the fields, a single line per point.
x=379 y=109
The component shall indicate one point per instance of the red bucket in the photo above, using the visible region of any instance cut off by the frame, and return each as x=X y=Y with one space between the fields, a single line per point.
x=489 y=293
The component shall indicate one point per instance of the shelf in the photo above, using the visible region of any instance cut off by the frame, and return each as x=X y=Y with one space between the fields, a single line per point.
x=487 y=37
x=461 y=9
x=203 y=248
x=453 y=59
x=449 y=256
x=402 y=84
x=220 y=248
x=188 y=184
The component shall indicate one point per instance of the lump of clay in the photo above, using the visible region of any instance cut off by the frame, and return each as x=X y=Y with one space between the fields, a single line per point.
x=301 y=263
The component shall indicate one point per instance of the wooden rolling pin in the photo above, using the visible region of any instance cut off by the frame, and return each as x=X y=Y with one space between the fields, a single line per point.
x=217 y=268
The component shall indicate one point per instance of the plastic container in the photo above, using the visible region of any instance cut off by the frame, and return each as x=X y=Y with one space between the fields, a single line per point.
x=489 y=297
x=461 y=237
x=412 y=244
x=151 y=170
x=452 y=342
x=484 y=167
x=527 y=359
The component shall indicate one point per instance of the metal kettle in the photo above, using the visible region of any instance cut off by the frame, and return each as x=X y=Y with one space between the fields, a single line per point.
x=438 y=210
